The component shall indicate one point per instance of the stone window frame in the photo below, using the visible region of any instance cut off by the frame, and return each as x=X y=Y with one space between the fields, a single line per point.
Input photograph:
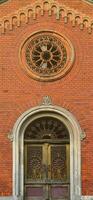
x=76 y=135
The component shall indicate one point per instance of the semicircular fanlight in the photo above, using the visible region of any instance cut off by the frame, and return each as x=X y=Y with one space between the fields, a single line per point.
x=46 y=128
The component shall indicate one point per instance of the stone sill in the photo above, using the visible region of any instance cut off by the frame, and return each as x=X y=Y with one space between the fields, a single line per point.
x=15 y=198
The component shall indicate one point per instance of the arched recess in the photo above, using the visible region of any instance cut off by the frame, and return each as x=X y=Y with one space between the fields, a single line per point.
x=75 y=132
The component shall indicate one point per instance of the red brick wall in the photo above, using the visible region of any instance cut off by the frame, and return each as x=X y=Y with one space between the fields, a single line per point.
x=18 y=92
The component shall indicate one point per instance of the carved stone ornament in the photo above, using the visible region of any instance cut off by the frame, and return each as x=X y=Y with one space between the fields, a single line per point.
x=83 y=135
x=46 y=101
x=10 y=136
x=47 y=56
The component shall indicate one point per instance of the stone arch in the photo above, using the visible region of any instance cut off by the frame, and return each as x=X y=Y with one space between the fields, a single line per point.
x=46 y=6
x=54 y=8
x=6 y=25
x=62 y=12
x=70 y=16
x=75 y=147
x=22 y=17
x=14 y=21
x=30 y=13
x=85 y=22
x=78 y=19
x=38 y=9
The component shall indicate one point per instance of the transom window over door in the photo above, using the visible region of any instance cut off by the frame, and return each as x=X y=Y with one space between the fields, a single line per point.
x=46 y=160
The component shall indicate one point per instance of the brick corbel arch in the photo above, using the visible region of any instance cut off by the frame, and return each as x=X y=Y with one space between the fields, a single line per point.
x=46 y=109
x=60 y=11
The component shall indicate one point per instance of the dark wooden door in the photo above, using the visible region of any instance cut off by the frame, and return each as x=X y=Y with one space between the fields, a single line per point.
x=46 y=171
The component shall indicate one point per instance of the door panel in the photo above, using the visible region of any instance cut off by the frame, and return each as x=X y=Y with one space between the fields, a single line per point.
x=33 y=160
x=35 y=192
x=46 y=171
x=58 y=162
x=60 y=192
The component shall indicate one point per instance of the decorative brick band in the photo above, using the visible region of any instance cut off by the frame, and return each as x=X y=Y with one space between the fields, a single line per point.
x=59 y=10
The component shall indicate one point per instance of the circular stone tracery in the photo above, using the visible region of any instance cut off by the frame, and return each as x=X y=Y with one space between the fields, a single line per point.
x=46 y=54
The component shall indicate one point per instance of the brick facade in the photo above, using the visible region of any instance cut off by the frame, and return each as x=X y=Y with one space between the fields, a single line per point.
x=19 y=92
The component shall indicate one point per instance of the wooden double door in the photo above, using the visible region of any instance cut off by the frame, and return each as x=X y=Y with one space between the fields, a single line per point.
x=46 y=171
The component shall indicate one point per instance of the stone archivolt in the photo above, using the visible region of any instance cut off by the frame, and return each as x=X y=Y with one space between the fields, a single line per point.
x=51 y=6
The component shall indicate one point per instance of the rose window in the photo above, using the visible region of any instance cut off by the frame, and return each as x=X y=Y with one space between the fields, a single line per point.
x=46 y=55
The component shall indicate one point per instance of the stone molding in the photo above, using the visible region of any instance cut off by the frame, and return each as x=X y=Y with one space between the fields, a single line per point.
x=18 y=198
x=53 y=7
x=87 y=198
x=7 y=198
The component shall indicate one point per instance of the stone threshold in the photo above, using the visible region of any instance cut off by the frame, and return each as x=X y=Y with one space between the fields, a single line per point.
x=18 y=198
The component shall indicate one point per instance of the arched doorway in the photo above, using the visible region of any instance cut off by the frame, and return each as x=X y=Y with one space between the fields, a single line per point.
x=46 y=160
x=74 y=141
